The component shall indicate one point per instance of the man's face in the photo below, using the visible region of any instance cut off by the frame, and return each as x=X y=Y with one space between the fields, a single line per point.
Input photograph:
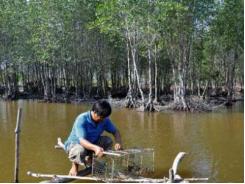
x=96 y=117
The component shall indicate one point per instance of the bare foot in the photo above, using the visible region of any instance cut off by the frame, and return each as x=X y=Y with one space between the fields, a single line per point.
x=74 y=169
x=88 y=161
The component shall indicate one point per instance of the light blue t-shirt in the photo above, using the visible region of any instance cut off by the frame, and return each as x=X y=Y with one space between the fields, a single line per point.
x=84 y=127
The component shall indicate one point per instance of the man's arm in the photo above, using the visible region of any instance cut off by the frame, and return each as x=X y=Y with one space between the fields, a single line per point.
x=89 y=146
x=118 y=140
x=110 y=127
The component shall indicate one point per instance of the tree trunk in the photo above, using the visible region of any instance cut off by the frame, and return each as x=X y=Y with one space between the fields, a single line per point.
x=130 y=101
x=137 y=76
x=156 y=75
x=198 y=89
x=66 y=82
x=46 y=82
x=204 y=90
x=230 y=78
x=182 y=68
x=132 y=45
x=53 y=80
x=179 y=89
x=149 y=106
x=11 y=89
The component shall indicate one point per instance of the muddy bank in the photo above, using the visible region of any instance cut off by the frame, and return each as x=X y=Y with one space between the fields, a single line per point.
x=164 y=103
x=195 y=103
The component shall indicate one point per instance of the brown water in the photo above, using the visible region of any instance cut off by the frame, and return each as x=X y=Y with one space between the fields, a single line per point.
x=214 y=141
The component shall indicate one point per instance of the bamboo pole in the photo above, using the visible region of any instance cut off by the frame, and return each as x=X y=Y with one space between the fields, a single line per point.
x=39 y=175
x=135 y=180
x=140 y=180
x=17 y=143
x=195 y=179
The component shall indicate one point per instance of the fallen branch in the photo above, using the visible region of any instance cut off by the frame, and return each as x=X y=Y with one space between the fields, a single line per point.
x=176 y=162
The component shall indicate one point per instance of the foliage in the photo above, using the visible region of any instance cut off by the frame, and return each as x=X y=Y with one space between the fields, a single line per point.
x=82 y=44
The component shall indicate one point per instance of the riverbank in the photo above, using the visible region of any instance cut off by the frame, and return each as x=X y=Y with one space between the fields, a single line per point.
x=164 y=103
x=195 y=103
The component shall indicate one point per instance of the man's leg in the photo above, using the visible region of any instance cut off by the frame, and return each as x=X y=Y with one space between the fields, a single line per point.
x=76 y=155
x=74 y=169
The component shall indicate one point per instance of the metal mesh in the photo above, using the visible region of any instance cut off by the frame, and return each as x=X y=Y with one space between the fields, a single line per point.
x=126 y=163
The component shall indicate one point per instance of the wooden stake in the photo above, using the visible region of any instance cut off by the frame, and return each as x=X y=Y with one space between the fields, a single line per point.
x=17 y=143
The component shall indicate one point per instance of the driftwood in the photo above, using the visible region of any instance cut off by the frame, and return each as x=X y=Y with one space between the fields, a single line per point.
x=177 y=160
x=173 y=175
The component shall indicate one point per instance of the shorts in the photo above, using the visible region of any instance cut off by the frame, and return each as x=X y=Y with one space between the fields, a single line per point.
x=77 y=153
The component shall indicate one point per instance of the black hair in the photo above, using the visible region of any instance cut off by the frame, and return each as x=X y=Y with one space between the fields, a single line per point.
x=102 y=108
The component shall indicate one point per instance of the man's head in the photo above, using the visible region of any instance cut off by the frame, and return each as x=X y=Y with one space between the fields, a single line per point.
x=100 y=110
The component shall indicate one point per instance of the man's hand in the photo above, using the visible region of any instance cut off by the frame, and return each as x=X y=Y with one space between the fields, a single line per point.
x=98 y=151
x=117 y=146
x=88 y=145
x=118 y=141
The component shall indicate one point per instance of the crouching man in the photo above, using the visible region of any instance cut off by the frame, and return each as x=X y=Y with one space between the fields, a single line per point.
x=85 y=137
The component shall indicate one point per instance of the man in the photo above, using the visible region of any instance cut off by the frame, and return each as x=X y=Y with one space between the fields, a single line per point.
x=85 y=137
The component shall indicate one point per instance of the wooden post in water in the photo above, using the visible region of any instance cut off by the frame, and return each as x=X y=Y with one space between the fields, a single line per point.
x=17 y=143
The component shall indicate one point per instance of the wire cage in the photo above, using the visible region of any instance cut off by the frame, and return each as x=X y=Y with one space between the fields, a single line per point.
x=124 y=164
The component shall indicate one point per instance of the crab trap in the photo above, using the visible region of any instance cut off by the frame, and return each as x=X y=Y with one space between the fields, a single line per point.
x=123 y=164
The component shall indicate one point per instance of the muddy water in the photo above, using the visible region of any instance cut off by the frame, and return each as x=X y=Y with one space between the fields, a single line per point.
x=214 y=141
